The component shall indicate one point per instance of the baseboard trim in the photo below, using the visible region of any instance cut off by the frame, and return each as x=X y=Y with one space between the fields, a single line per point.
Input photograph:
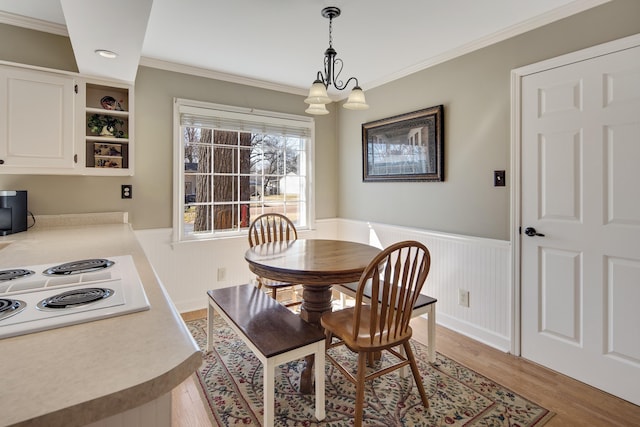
x=472 y=331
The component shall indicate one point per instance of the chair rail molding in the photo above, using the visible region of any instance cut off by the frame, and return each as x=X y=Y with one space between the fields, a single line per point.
x=478 y=265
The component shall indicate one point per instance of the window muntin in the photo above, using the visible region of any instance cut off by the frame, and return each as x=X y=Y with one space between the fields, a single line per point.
x=232 y=171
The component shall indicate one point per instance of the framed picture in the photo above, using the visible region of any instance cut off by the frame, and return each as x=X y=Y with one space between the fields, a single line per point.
x=408 y=147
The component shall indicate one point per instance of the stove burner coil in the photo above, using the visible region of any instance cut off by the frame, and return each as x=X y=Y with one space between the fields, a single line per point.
x=78 y=267
x=75 y=298
x=9 y=307
x=15 y=273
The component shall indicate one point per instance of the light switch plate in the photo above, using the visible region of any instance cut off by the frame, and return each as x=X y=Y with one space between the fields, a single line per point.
x=499 y=179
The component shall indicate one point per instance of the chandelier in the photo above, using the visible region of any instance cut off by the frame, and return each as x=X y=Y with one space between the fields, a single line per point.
x=318 y=97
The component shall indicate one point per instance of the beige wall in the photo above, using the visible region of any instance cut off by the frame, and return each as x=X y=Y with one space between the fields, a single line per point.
x=155 y=90
x=36 y=48
x=475 y=92
x=151 y=206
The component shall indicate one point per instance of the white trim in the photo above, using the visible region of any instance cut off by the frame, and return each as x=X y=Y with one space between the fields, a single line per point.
x=528 y=25
x=515 y=235
x=218 y=75
x=181 y=105
x=33 y=24
x=95 y=79
x=475 y=332
x=178 y=187
x=512 y=31
x=467 y=239
x=580 y=55
x=477 y=264
x=38 y=68
x=516 y=161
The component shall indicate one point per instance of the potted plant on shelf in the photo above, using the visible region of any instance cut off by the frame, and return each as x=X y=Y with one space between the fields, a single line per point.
x=105 y=125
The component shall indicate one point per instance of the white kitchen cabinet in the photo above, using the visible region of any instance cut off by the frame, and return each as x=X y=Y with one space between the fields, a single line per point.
x=46 y=118
x=36 y=121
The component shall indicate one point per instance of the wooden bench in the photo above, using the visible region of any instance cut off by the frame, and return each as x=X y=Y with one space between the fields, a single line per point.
x=424 y=305
x=274 y=334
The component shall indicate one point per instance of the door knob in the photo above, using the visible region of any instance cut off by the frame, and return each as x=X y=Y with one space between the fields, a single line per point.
x=530 y=231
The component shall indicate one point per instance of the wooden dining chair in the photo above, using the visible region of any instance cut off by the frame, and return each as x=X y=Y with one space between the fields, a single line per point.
x=397 y=274
x=267 y=228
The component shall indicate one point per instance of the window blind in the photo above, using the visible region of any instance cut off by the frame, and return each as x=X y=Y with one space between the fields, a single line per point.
x=254 y=122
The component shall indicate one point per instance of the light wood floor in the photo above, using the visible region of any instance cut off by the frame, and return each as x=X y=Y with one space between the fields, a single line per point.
x=574 y=403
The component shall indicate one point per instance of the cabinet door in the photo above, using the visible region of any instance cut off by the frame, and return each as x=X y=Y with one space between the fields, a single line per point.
x=36 y=120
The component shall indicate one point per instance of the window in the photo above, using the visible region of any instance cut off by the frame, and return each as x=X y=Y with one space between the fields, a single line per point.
x=233 y=164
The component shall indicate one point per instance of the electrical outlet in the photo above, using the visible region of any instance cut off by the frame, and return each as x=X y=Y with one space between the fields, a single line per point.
x=126 y=191
x=463 y=298
x=222 y=274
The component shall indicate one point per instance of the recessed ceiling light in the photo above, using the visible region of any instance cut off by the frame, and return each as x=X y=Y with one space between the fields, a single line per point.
x=106 y=53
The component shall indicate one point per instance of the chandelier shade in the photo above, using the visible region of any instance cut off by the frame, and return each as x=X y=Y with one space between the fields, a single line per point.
x=356 y=100
x=317 y=109
x=318 y=96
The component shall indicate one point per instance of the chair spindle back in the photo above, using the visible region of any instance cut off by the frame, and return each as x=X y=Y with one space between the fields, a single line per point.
x=271 y=227
x=397 y=275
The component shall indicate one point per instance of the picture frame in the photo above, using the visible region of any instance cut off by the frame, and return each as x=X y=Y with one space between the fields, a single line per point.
x=407 y=147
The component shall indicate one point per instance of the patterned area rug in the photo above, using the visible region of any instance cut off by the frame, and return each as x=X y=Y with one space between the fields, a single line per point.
x=231 y=379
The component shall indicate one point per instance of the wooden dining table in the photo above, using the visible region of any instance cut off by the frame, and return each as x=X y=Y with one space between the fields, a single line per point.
x=317 y=265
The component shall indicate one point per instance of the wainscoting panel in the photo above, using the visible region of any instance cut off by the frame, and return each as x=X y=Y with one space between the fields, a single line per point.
x=188 y=270
x=477 y=265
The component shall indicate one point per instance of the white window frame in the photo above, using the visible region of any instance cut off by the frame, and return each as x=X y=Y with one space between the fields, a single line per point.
x=230 y=112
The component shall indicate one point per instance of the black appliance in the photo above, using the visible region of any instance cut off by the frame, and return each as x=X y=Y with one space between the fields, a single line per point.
x=13 y=212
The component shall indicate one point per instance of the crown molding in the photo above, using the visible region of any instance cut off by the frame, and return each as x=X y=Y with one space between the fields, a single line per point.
x=217 y=75
x=515 y=30
x=33 y=24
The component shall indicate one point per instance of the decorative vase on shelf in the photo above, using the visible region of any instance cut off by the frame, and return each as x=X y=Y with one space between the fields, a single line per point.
x=105 y=125
x=107 y=131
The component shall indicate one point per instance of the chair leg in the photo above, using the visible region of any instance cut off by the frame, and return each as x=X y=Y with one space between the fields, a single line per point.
x=371 y=359
x=274 y=292
x=362 y=371
x=328 y=336
x=416 y=373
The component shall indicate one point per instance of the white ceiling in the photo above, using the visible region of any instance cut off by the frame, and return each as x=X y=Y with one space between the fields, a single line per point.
x=280 y=43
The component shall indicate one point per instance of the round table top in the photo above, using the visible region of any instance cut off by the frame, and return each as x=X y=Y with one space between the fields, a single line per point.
x=311 y=261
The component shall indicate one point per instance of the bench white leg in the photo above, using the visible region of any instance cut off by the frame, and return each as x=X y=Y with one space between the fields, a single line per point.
x=319 y=377
x=431 y=330
x=210 y=313
x=269 y=392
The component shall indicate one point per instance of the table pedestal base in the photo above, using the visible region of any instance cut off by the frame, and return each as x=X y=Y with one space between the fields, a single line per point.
x=316 y=300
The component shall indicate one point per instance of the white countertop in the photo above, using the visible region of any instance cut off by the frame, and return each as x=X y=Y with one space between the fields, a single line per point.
x=78 y=374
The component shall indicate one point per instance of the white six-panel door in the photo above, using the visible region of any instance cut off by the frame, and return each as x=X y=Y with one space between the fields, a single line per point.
x=580 y=188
